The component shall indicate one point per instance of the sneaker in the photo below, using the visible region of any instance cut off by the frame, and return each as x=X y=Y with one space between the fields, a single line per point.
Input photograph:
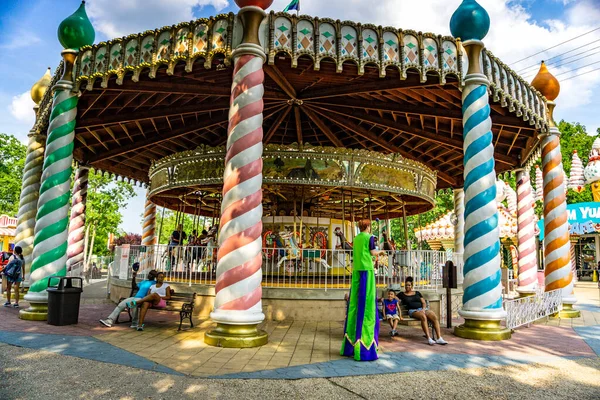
x=140 y=328
x=394 y=333
x=441 y=341
x=7 y=304
x=133 y=326
x=16 y=305
x=107 y=322
x=430 y=341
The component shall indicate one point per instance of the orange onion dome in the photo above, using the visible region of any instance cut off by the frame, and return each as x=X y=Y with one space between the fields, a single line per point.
x=546 y=83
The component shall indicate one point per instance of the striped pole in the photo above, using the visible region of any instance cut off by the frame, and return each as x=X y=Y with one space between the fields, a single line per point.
x=526 y=235
x=574 y=239
x=557 y=249
x=30 y=193
x=52 y=219
x=75 y=249
x=149 y=227
x=482 y=297
x=238 y=304
x=459 y=213
x=539 y=184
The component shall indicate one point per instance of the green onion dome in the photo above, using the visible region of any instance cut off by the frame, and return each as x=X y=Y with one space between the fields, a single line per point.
x=76 y=30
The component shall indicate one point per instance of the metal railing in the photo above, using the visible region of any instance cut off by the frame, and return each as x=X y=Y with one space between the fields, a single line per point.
x=284 y=267
x=525 y=310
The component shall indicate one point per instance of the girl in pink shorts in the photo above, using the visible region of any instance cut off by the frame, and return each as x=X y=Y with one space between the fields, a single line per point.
x=157 y=297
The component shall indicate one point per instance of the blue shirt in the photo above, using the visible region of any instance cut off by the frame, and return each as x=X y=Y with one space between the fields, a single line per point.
x=143 y=288
x=391 y=306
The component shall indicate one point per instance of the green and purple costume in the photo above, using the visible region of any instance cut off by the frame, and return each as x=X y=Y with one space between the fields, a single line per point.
x=361 y=329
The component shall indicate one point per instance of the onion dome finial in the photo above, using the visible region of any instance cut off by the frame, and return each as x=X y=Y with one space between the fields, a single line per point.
x=546 y=83
x=264 y=4
x=470 y=21
x=39 y=88
x=76 y=30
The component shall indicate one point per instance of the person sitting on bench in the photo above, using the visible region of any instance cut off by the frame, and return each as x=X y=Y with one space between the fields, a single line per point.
x=143 y=289
x=157 y=298
x=417 y=309
x=391 y=311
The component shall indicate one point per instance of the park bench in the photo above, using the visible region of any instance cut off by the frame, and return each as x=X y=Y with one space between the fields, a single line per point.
x=183 y=303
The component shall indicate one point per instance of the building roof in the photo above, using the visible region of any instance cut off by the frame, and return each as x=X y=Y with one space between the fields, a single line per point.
x=327 y=83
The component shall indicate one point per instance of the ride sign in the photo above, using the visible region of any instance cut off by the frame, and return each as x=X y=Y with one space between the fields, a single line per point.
x=584 y=218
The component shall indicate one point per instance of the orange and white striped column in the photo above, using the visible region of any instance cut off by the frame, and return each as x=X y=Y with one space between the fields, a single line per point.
x=557 y=248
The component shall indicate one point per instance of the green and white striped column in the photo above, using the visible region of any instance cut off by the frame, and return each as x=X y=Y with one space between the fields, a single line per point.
x=52 y=219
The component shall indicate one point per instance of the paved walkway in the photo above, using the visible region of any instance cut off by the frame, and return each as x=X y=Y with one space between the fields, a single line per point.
x=299 y=349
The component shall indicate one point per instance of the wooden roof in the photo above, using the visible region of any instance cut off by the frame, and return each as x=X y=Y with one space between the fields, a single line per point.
x=123 y=128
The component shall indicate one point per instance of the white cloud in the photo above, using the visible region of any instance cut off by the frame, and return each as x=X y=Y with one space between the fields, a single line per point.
x=120 y=18
x=20 y=40
x=21 y=108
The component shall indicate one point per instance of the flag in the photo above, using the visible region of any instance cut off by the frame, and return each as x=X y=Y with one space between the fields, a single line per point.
x=294 y=5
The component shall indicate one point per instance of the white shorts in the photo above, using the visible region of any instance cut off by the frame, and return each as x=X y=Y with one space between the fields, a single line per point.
x=392 y=316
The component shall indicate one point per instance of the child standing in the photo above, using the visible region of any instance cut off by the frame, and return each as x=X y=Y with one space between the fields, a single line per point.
x=391 y=311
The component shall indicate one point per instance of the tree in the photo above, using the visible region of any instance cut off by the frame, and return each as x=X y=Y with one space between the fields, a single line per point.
x=12 y=161
x=133 y=239
x=106 y=198
x=166 y=226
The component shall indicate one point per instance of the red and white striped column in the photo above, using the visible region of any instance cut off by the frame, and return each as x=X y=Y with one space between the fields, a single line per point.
x=76 y=242
x=149 y=225
x=526 y=235
x=239 y=260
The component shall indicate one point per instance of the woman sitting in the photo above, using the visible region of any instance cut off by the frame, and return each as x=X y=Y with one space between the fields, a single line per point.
x=157 y=297
x=417 y=309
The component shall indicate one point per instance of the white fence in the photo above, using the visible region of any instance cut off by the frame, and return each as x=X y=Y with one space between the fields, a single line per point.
x=525 y=310
x=285 y=267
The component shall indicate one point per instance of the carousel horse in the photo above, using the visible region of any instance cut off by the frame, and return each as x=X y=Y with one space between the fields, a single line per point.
x=210 y=256
x=345 y=248
x=295 y=255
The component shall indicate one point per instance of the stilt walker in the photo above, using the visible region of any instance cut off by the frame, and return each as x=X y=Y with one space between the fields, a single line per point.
x=482 y=299
x=238 y=299
x=75 y=251
x=50 y=242
x=526 y=235
x=557 y=249
x=32 y=173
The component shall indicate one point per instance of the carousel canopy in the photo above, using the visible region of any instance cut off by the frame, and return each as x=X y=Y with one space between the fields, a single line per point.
x=328 y=83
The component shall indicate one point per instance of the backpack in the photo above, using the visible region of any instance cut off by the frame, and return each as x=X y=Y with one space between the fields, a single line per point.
x=13 y=269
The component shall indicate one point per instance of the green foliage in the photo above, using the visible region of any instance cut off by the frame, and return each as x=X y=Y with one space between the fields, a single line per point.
x=574 y=137
x=170 y=220
x=106 y=199
x=12 y=161
x=444 y=202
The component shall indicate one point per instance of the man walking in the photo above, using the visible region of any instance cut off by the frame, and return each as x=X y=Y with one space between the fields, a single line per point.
x=142 y=289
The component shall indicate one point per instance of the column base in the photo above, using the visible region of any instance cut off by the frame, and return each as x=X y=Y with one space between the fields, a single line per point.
x=567 y=312
x=38 y=307
x=482 y=330
x=525 y=294
x=236 y=336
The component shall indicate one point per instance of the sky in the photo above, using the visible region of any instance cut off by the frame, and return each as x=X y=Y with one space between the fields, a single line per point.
x=561 y=31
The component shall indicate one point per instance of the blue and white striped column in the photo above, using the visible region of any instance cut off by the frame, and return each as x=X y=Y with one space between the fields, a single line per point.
x=482 y=298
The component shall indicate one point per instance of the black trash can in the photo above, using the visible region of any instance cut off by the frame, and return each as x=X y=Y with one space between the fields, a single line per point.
x=63 y=300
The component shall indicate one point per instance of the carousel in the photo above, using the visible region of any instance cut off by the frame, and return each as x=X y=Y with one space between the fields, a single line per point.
x=283 y=128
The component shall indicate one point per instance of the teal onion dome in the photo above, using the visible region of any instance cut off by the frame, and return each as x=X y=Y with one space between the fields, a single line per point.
x=470 y=21
x=76 y=30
